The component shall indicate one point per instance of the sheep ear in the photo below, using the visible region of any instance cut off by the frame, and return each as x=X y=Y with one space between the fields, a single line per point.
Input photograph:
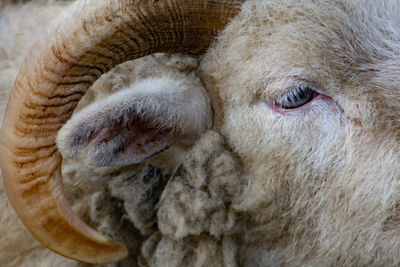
x=136 y=123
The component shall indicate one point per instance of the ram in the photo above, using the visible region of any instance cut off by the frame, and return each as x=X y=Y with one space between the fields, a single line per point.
x=301 y=163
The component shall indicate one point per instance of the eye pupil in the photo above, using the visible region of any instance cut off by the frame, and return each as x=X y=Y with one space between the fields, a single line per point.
x=297 y=97
x=301 y=93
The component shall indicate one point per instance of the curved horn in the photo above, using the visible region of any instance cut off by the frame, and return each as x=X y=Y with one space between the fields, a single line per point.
x=92 y=39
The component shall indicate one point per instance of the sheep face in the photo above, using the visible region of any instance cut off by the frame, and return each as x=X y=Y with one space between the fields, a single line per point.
x=332 y=161
x=305 y=96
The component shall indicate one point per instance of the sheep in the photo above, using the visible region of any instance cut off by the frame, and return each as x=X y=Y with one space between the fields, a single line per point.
x=300 y=166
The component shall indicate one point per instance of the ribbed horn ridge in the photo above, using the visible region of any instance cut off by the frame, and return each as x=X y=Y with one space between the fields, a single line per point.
x=93 y=37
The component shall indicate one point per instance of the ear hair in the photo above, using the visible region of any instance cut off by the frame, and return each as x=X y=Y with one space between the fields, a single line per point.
x=133 y=124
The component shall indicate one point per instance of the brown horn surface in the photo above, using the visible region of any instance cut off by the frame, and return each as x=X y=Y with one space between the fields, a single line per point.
x=94 y=37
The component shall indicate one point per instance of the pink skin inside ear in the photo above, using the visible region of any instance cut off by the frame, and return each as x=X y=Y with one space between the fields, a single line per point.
x=120 y=144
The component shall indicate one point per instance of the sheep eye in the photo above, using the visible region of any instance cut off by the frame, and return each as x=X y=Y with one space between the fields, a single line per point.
x=297 y=97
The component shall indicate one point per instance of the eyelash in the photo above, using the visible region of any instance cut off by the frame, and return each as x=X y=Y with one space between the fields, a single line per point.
x=296 y=97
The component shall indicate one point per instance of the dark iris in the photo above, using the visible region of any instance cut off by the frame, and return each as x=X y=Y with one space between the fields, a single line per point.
x=297 y=97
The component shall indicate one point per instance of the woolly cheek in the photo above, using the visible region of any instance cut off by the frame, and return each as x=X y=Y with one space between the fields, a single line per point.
x=310 y=138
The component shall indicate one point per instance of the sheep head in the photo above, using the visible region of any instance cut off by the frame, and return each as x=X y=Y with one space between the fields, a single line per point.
x=304 y=92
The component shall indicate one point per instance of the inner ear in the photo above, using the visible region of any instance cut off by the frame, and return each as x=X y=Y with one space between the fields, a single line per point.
x=125 y=142
x=136 y=123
